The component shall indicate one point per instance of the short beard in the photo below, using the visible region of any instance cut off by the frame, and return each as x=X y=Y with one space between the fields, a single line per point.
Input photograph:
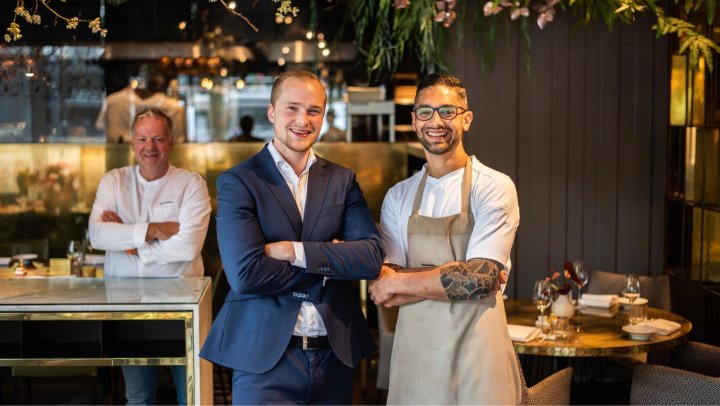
x=438 y=149
x=287 y=141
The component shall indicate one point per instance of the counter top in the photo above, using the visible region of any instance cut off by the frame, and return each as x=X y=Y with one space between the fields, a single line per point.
x=24 y=294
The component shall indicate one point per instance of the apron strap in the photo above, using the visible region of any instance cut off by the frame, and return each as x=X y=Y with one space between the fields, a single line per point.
x=419 y=194
x=466 y=188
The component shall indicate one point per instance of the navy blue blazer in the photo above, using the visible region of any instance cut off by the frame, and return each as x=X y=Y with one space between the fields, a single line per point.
x=255 y=207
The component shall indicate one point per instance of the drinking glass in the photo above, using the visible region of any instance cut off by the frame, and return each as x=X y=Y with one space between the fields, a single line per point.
x=632 y=288
x=542 y=296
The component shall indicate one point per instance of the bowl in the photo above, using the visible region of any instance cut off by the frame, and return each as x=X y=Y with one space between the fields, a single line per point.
x=625 y=302
x=639 y=332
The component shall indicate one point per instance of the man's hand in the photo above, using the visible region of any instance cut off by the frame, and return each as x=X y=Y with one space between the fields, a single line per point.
x=282 y=250
x=381 y=292
x=162 y=231
x=502 y=279
x=381 y=288
x=110 y=216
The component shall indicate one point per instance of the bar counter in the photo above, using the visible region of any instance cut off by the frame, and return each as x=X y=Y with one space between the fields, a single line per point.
x=108 y=322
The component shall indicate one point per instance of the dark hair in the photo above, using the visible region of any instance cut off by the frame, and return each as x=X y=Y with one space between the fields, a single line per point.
x=301 y=74
x=246 y=124
x=442 y=79
x=153 y=112
x=156 y=84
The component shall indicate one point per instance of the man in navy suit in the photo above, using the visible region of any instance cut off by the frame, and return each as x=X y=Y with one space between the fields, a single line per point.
x=294 y=230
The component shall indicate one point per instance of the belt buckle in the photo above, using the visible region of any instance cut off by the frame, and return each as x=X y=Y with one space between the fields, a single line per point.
x=305 y=342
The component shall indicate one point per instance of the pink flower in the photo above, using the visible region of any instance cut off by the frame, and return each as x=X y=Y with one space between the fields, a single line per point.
x=491 y=8
x=518 y=12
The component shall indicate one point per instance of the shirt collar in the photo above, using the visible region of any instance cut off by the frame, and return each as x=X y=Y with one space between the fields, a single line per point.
x=279 y=160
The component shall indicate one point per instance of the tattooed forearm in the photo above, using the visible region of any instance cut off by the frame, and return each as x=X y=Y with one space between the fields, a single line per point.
x=473 y=279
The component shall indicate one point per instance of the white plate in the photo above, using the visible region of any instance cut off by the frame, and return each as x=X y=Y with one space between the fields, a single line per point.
x=5 y=261
x=639 y=332
x=25 y=257
x=625 y=302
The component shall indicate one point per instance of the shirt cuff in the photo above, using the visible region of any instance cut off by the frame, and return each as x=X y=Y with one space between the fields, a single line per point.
x=299 y=255
x=145 y=255
x=139 y=233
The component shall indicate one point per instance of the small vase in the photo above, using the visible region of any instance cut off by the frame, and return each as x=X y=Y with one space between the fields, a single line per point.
x=563 y=306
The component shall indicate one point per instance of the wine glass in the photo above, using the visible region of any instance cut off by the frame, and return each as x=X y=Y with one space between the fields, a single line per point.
x=632 y=288
x=74 y=250
x=583 y=275
x=542 y=295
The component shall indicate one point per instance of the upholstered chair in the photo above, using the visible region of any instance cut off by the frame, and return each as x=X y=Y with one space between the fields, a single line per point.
x=655 y=288
x=553 y=390
x=697 y=357
x=660 y=385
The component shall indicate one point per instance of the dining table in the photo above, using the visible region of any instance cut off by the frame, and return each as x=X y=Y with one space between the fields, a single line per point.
x=597 y=348
x=594 y=335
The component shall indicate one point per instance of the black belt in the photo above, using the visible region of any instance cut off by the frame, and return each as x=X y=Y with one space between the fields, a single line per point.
x=310 y=343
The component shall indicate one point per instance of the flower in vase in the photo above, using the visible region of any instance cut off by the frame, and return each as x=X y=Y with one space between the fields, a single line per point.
x=560 y=283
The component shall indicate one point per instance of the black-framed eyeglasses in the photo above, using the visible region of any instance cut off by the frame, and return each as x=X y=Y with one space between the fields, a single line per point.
x=424 y=113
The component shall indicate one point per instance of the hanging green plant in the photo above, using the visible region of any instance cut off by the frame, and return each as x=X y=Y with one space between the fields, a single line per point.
x=386 y=29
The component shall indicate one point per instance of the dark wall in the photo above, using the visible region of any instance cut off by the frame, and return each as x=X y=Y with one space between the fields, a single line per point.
x=583 y=135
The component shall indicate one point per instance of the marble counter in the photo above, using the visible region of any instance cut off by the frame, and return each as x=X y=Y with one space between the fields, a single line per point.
x=20 y=294
x=108 y=322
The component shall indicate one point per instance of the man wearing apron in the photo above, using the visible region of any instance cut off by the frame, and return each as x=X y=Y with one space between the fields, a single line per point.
x=447 y=232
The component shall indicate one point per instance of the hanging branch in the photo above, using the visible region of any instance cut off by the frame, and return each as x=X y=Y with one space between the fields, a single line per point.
x=420 y=26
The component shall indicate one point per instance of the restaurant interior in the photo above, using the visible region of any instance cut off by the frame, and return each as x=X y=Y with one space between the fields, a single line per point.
x=605 y=115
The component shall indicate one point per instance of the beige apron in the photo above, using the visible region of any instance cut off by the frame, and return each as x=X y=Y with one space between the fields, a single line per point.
x=450 y=352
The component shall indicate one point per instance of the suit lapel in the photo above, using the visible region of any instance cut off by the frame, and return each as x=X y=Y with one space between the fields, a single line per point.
x=279 y=189
x=318 y=180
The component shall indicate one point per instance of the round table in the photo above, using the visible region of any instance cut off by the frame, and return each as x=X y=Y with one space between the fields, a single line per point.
x=598 y=336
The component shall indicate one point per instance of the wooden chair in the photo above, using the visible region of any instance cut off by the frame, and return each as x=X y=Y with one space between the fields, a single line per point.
x=660 y=385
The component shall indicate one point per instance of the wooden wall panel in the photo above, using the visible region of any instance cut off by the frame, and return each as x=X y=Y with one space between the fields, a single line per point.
x=582 y=135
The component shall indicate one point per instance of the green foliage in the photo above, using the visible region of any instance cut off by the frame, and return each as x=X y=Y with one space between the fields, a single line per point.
x=384 y=34
x=690 y=40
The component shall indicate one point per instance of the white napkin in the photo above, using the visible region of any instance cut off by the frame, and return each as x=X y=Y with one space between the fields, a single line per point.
x=662 y=327
x=603 y=301
x=522 y=333
x=600 y=312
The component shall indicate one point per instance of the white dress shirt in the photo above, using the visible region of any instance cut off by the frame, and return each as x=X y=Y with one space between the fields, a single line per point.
x=309 y=322
x=180 y=196
x=493 y=201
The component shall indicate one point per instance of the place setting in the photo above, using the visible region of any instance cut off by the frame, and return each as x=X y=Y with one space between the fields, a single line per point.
x=640 y=328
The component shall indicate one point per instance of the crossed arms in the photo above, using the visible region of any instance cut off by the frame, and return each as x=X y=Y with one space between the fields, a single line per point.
x=465 y=280
x=154 y=242
x=256 y=241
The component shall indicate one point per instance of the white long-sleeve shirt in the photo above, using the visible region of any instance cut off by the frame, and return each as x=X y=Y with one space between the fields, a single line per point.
x=179 y=196
x=309 y=322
